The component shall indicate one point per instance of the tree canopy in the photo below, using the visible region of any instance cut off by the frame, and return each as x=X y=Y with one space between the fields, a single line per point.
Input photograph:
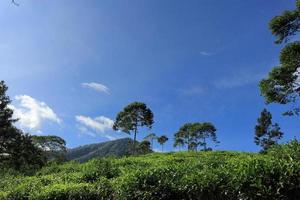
x=53 y=146
x=162 y=140
x=266 y=133
x=283 y=83
x=133 y=116
x=16 y=148
x=195 y=134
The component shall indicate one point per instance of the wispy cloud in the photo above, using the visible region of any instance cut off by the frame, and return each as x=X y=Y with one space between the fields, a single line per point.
x=206 y=53
x=238 y=80
x=191 y=91
x=96 y=126
x=32 y=113
x=96 y=86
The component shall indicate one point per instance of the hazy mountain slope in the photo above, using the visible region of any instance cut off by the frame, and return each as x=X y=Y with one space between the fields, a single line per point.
x=118 y=147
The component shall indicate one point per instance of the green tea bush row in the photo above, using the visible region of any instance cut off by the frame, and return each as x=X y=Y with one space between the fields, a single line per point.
x=184 y=175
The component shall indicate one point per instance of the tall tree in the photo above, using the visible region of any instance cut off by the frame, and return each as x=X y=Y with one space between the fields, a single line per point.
x=132 y=117
x=54 y=147
x=7 y=131
x=151 y=137
x=178 y=142
x=16 y=148
x=266 y=134
x=25 y=155
x=195 y=134
x=162 y=140
x=144 y=147
x=204 y=131
x=185 y=136
x=283 y=83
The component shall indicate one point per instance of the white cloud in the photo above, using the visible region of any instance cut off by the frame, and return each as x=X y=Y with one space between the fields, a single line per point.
x=32 y=113
x=96 y=86
x=98 y=126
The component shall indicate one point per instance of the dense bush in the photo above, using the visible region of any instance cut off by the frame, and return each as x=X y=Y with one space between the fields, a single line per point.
x=186 y=175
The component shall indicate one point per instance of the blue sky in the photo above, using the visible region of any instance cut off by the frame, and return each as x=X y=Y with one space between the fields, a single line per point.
x=71 y=66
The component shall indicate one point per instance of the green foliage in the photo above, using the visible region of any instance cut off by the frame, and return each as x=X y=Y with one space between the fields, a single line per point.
x=161 y=140
x=289 y=151
x=134 y=115
x=286 y=25
x=17 y=150
x=54 y=147
x=282 y=84
x=266 y=134
x=144 y=147
x=151 y=137
x=183 y=175
x=195 y=134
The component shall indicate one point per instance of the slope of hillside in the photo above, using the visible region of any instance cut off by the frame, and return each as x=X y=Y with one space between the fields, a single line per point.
x=84 y=153
x=213 y=175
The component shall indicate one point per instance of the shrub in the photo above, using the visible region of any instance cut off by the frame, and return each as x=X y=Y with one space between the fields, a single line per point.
x=71 y=191
x=183 y=175
x=97 y=168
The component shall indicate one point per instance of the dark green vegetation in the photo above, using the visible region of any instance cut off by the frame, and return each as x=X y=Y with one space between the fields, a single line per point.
x=283 y=84
x=117 y=148
x=194 y=135
x=184 y=175
x=17 y=149
x=266 y=133
x=133 y=116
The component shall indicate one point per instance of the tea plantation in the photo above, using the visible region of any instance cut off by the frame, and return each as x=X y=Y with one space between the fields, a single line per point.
x=182 y=175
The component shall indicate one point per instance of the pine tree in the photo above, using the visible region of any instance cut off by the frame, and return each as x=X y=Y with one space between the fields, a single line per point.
x=266 y=134
x=7 y=131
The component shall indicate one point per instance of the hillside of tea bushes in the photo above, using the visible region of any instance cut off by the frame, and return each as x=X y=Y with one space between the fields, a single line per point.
x=182 y=175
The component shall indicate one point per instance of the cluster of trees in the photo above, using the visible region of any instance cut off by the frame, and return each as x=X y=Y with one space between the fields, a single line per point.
x=282 y=85
x=194 y=135
x=160 y=139
x=19 y=150
x=137 y=114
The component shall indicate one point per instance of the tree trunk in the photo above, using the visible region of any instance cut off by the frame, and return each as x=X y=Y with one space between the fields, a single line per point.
x=134 y=139
x=204 y=142
x=152 y=144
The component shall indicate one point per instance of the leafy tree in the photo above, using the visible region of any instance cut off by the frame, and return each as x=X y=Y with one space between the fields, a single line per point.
x=185 y=136
x=195 y=134
x=283 y=83
x=266 y=134
x=178 y=142
x=132 y=117
x=16 y=148
x=26 y=156
x=144 y=147
x=162 y=140
x=151 y=137
x=54 y=147
x=204 y=131
x=286 y=25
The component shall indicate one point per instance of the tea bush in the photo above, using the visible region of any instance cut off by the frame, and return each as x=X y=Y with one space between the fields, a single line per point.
x=183 y=175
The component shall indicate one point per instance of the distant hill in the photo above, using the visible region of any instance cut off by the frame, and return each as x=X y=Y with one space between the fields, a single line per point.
x=84 y=153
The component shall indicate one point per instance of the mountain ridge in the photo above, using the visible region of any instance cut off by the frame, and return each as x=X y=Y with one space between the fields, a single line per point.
x=116 y=148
